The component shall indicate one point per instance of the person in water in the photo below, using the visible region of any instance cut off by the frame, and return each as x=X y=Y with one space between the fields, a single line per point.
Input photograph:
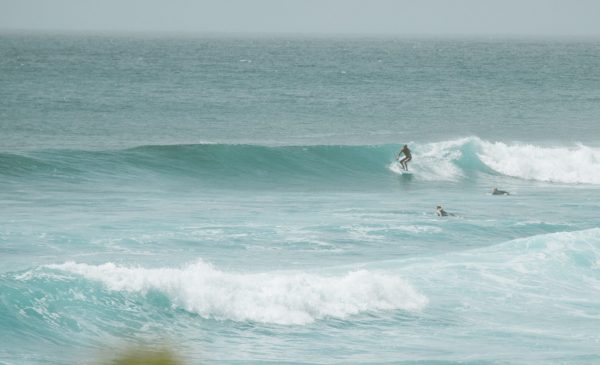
x=495 y=191
x=407 y=157
x=442 y=213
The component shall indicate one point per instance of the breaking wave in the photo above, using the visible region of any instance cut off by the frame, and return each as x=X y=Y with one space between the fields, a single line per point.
x=274 y=297
x=451 y=160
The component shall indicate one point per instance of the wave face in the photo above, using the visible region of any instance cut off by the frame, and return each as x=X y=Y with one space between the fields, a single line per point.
x=527 y=291
x=558 y=266
x=216 y=164
x=220 y=164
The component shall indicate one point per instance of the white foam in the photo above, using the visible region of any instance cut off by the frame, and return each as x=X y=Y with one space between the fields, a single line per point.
x=273 y=297
x=435 y=161
x=438 y=161
x=578 y=164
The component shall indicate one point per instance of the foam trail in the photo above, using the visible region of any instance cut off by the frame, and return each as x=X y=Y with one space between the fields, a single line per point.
x=282 y=298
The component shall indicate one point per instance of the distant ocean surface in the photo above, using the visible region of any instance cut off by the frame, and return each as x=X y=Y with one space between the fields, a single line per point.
x=238 y=201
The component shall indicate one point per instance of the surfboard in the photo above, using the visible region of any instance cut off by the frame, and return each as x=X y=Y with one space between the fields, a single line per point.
x=397 y=168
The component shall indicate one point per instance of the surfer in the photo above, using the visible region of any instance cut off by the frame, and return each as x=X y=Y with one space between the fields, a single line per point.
x=407 y=157
x=441 y=212
x=495 y=191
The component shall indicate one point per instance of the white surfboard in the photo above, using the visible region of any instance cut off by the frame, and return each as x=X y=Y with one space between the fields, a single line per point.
x=397 y=168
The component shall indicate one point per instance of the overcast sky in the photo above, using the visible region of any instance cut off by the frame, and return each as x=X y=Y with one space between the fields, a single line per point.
x=403 y=17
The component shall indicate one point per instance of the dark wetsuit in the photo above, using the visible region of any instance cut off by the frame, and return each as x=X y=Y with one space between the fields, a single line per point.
x=407 y=157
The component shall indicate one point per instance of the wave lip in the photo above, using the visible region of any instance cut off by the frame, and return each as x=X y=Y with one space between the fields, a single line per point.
x=280 y=298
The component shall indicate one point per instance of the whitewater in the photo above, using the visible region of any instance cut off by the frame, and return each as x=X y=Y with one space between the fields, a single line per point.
x=165 y=191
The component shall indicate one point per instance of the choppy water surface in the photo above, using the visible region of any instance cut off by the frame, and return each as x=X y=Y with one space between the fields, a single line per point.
x=238 y=199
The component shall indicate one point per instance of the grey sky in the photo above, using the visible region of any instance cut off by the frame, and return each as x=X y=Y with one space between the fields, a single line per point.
x=429 y=17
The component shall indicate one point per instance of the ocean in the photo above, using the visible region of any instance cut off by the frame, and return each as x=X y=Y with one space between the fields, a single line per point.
x=236 y=199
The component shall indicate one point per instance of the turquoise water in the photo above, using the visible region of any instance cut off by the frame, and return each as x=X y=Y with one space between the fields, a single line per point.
x=237 y=199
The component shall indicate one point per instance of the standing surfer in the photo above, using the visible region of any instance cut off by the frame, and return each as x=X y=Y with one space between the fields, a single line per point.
x=407 y=157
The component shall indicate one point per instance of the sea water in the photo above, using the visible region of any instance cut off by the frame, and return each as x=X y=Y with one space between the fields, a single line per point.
x=236 y=199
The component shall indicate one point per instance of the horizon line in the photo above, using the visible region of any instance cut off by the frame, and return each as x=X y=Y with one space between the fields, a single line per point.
x=289 y=34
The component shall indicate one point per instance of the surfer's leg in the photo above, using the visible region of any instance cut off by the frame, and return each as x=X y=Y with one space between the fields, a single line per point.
x=403 y=163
